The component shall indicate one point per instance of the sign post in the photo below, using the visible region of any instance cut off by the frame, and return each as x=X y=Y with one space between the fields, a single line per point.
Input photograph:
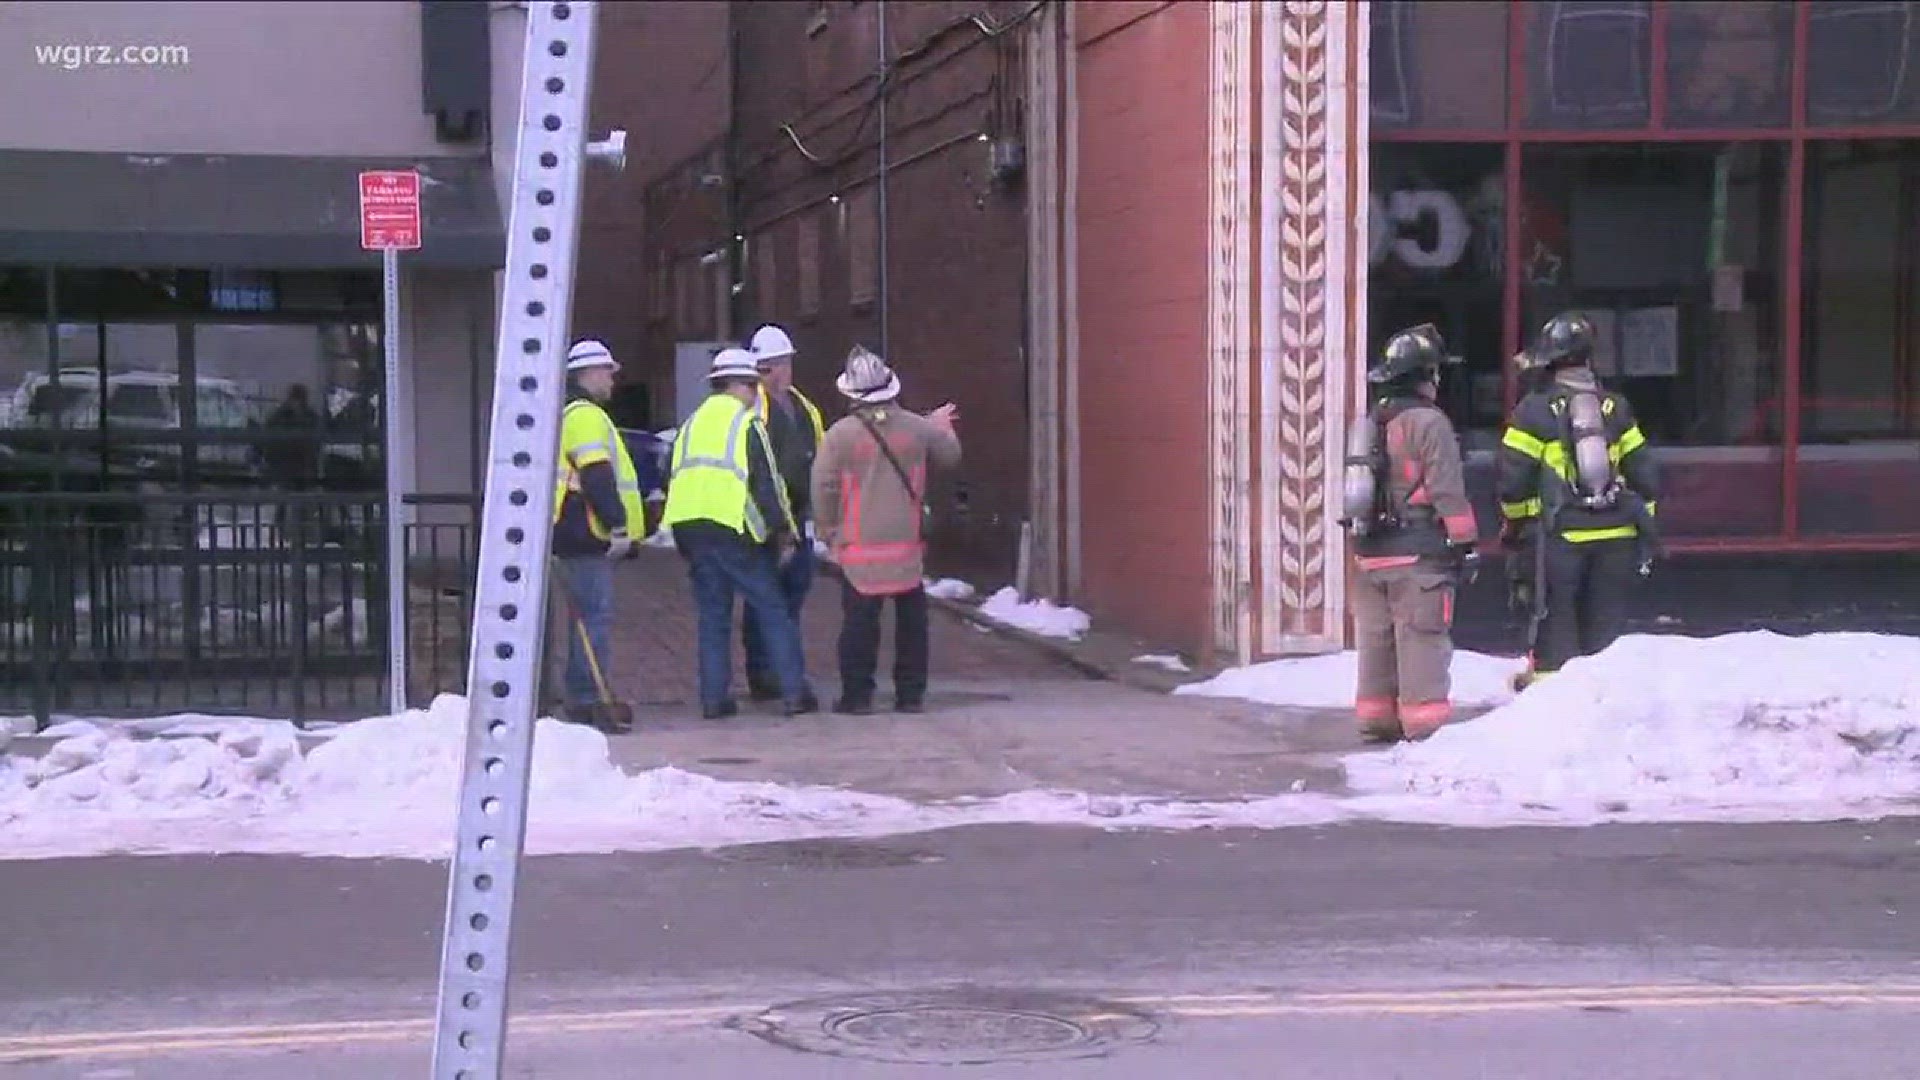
x=389 y=224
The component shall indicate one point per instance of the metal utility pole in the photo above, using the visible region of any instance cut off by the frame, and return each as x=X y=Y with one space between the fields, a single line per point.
x=470 y=1032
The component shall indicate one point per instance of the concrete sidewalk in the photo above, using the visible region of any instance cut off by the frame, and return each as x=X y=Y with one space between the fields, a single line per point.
x=988 y=738
x=653 y=655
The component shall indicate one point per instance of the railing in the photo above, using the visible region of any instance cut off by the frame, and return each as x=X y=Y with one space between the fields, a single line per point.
x=264 y=604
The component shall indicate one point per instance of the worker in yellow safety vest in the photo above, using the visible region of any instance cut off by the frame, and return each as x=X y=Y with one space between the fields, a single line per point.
x=596 y=501
x=794 y=431
x=732 y=522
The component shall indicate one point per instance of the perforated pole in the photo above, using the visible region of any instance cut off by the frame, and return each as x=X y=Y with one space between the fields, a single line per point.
x=399 y=432
x=470 y=1032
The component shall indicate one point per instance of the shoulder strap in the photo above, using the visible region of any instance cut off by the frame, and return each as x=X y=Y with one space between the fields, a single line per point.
x=881 y=441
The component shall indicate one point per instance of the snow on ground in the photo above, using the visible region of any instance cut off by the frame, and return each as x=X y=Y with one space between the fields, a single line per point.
x=1170 y=663
x=1035 y=616
x=1327 y=682
x=1744 y=727
x=949 y=589
x=387 y=787
x=1661 y=728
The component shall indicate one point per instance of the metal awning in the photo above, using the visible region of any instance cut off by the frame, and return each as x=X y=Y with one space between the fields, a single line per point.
x=266 y=212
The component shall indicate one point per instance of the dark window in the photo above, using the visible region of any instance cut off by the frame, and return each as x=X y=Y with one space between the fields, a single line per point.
x=1435 y=256
x=1587 y=64
x=1728 y=63
x=1859 y=458
x=1861 y=62
x=1441 y=66
x=1675 y=252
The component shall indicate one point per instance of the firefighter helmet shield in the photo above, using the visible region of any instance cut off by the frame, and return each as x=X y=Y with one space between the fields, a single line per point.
x=1411 y=354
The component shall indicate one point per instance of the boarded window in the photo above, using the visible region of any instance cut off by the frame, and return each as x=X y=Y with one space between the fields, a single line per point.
x=807 y=270
x=860 y=238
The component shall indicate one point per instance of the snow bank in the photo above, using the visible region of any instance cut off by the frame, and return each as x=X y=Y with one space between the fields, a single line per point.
x=1742 y=727
x=1169 y=662
x=1327 y=682
x=1036 y=616
x=387 y=788
x=949 y=589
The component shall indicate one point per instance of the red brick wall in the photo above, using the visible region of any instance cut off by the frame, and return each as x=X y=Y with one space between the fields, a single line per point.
x=1142 y=262
x=662 y=72
x=956 y=240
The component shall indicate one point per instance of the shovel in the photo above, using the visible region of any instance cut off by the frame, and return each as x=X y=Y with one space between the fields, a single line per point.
x=610 y=716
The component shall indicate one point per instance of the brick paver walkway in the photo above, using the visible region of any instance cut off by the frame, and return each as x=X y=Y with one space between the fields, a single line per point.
x=653 y=641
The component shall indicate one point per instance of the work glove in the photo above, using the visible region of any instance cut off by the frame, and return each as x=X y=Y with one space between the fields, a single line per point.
x=620 y=545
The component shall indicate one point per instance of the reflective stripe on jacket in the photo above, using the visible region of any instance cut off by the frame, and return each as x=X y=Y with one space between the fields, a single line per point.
x=1537 y=470
x=711 y=470
x=587 y=438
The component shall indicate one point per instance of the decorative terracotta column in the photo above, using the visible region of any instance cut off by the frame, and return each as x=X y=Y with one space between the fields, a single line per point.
x=1286 y=315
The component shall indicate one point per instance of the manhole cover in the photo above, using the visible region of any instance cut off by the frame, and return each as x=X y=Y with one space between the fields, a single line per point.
x=826 y=855
x=953 y=1027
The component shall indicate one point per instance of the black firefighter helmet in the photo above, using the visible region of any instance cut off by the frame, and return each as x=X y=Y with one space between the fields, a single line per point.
x=1567 y=338
x=1413 y=355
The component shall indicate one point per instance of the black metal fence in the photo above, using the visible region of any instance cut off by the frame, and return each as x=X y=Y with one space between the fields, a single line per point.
x=265 y=604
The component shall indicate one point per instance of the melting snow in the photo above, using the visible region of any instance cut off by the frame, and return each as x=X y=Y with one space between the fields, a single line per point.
x=1035 y=616
x=1744 y=727
x=1327 y=682
x=949 y=589
x=1170 y=663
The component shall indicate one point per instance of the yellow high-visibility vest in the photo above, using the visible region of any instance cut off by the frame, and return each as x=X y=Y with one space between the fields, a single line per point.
x=806 y=406
x=588 y=437
x=709 y=469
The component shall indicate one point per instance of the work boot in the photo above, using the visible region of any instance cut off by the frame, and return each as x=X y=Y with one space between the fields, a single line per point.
x=614 y=718
x=909 y=703
x=804 y=704
x=853 y=705
x=719 y=711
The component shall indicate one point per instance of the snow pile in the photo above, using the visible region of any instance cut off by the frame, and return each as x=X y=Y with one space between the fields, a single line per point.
x=1035 y=616
x=1168 y=662
x=387 y=788
x=1742 y=727
x=241 y=770
x=949 y=589
x=1328 y=682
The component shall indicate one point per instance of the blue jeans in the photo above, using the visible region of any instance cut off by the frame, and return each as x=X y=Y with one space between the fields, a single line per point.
x=725 y=566
x=587 y=587
x=794 y=580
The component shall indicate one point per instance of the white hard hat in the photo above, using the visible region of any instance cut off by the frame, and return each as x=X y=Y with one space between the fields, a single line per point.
x=733 y=364
x=771 y=343
x=588 y=353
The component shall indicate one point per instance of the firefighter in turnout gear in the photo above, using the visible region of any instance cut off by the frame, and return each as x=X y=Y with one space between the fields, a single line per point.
x=1405 y=503
x=1578 y=482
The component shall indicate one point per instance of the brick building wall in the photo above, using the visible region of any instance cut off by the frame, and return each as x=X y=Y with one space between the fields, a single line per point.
x=807 y=157
x=1142 y=190
x=664 y=73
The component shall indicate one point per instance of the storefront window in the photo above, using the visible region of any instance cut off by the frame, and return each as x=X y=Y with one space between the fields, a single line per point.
x=1675 y=253
x=1435 y=219
x=1859 y=460
x=1438 y=66
x=1587 y=64
x=1861 y=62
x=1728 y=63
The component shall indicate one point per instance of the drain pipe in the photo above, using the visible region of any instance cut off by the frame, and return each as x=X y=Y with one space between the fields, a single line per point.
x=880 y=226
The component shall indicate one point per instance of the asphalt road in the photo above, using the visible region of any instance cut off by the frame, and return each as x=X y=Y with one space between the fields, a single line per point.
x=1358 y=951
